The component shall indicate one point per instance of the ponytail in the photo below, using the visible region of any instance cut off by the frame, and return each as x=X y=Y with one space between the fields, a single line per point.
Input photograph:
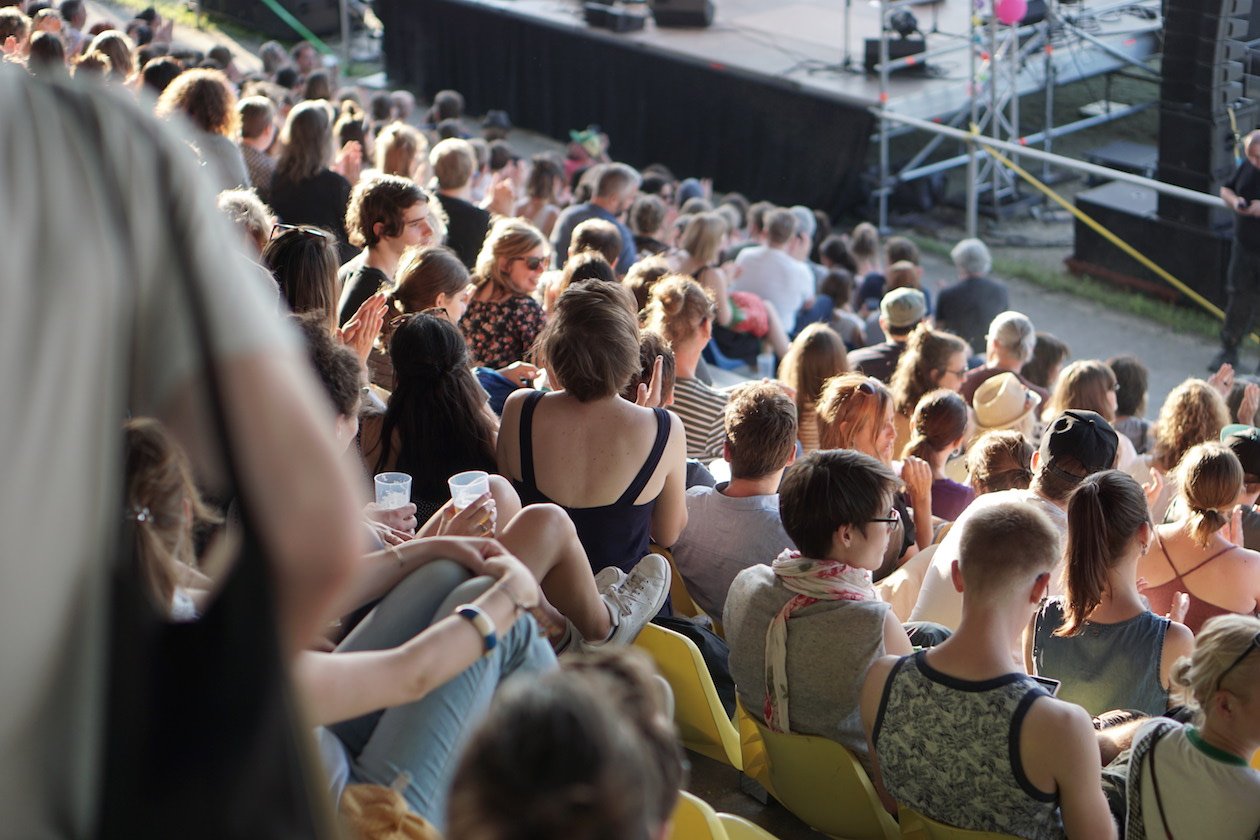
x=1104 y=514
x=1204 y=523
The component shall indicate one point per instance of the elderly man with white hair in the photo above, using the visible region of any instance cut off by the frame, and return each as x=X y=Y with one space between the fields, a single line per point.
x=1011 y=339
x=967 y=307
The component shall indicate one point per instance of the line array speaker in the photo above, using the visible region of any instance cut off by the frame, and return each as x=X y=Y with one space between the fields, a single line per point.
x=682 y=12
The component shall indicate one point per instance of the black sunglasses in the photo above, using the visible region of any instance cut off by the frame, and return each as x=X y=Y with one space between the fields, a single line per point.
x=1255 y=643
x=534 y=263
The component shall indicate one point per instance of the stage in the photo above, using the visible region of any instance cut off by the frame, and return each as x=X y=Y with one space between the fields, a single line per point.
x=760 y=102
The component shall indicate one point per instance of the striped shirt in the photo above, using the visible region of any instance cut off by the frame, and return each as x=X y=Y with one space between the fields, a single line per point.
x=700 y=408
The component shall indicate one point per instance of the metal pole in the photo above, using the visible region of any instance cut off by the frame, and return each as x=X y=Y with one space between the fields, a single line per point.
x=883 y=123
x=1048 y=127
x=973 y=214
x=995 y=114
x=345 y=40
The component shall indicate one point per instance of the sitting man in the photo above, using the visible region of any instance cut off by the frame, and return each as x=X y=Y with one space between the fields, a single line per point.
x=958 y=733
x=737 y=524
x=900 y=311
x=810 y=625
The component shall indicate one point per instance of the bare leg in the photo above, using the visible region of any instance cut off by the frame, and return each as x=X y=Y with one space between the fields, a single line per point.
x=543 y=538
x=506 y=502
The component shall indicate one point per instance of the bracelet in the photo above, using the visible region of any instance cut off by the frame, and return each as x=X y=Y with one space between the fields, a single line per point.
x=483 y=623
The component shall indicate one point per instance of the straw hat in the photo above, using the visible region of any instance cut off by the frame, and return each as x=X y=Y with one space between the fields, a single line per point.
x=1002 y=401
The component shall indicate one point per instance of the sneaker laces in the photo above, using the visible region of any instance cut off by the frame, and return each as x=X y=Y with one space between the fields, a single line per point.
x=628 y=594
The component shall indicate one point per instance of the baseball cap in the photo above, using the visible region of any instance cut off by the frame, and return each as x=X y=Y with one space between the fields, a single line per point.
x=1244 y=441
x=1083 y=435
x=1002 y=401
x=903 y=307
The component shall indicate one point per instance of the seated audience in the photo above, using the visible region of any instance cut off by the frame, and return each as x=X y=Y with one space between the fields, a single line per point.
x=454 y=163
x=1010 y=343
x=773 y=274
x=900 y=311
x=856 y=412
x=1194 y=412
x=541 y=204
x=647 y=218
x=1193 y=780
x=616 y=186
x=816 y=355
x=931 y=360
x=1048 y=356
x=618 y=468
x=304 y=190
x=808 y=626
x=206 y=98
x=642 y=276
x=939 y=427
x=837 y=284
x=1131 y=377
x=958 y=733
x=999 y=460
x=1090 y=384
x=403 y=151
x=503 y=320
x=737 y=524
x=1244 y=442
x=1194 y=555
x=1100 y=641
x=258 y=135
x=901 y=275
x=869 y=273
x=1076 y=445
x=968 y=307
x=253 y=218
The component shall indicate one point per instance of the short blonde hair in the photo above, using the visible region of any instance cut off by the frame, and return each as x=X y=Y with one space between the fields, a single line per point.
x=453 y=161
x=702 y=238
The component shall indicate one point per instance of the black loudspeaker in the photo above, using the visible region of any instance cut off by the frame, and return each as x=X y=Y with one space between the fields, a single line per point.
x=682 y=12
x=323 y=17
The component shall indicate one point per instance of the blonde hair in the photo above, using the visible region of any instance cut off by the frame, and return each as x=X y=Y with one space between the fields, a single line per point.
x=1193 y=413
x=850 y=403
x=398 y=147
x=702 y=238
x=677 y=307
x=919 y=369
x=118 y=48
x=508 y=239
x=816 y=355
x=1083 y=385
x=1210 y=477
x=1220 y=643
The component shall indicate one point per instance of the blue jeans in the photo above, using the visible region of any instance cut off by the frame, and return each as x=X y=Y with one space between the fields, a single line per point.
x=424 y=739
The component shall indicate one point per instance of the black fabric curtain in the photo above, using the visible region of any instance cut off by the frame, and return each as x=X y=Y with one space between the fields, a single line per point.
x=762 y=137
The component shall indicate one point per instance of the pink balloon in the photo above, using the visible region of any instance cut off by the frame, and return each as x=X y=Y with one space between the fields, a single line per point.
x=1010 y=12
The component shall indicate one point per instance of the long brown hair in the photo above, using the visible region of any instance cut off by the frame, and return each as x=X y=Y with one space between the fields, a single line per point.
x=306 y=141
x=424 y=273
x=1083 y=385
x=1104 y=513
x=850 y=403
x=920 y=366
x=940 y=419
x=999 y=460
x=1210 y=477
x=816 y=355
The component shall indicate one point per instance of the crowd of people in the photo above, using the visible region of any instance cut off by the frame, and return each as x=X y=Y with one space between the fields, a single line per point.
x=916 y=527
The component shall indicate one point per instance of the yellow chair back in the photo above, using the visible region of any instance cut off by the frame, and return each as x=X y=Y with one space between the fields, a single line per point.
x=738 y=828
x=679 y=598
x=695 y=819
x=824 y=785
x=702 y=723
x=915 y=826
x=751 y=749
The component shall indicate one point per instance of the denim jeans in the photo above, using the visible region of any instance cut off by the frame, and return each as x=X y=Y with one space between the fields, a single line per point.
x=424 y=739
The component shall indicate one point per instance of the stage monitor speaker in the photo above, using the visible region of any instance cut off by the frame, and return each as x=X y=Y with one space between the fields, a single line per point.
x=682 y=12
x=323 y=17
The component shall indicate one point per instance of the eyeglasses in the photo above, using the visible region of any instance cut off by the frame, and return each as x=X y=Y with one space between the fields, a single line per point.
x=534 y=263
x=891 y=520
x=961 y=372
x=1255 y=643
x=279 y=229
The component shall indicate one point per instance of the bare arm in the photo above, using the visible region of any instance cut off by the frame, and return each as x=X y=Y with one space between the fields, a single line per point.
x=714 y=280
x=669 y=516
x=896 y=642
x=1178 y=642
x=302 y=491
x=1060 y=738
x=872 y=692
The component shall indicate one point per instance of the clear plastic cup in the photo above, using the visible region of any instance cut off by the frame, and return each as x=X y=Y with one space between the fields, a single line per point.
x=467 y=487
x=393 y=490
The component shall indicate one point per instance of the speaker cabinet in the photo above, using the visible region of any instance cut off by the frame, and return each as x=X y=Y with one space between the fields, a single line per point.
x=694 y=13
x=323 y=17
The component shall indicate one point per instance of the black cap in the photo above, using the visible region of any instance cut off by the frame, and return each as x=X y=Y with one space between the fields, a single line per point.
x=1083 y=435
x=1244 y=441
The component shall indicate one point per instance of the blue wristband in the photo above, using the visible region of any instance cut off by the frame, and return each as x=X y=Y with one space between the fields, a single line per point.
x=482 y=622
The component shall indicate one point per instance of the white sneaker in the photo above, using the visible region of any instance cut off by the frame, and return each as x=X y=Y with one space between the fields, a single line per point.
x=607 y=578
x=637 y=598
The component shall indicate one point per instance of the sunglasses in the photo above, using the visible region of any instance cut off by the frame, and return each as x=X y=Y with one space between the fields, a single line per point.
x=890 y=521
x=1255 y=643
x=280 y=230
x=534 y=263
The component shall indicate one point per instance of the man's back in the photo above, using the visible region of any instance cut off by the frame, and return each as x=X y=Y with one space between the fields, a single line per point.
x=573 y=216
x=724 y=536
x=878 y=360
x=771 y=274
x=466 y=228
x=969 y=306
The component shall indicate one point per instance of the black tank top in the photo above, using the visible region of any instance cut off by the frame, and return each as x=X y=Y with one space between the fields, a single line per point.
x=615 y=534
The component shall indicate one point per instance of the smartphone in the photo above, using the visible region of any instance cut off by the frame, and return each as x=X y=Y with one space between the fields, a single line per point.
x=1048 y=684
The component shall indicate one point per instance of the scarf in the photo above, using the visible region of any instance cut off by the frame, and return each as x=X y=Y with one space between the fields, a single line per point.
x=812 y=581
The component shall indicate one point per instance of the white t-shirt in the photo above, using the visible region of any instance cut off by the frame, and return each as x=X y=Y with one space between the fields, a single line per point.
x=92 y=271
x=784 y=283
x=1206 y=794
x=938 y=600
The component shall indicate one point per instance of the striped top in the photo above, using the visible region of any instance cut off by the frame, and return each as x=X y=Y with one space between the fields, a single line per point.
x=700 y=408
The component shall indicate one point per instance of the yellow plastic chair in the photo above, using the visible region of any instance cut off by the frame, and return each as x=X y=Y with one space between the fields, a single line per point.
x=680 y=599
x=695 y=819
x=702 y=722
x=1255 y=761
x=824 y=785
x=915 y=826
x=751 y=749
x=738 y=828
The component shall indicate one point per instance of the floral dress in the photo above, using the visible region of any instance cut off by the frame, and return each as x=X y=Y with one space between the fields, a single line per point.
x=501 y=333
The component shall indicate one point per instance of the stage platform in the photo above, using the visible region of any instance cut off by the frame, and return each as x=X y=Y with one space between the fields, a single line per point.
x=761 y=101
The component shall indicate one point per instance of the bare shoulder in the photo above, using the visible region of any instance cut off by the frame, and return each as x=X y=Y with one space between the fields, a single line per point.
x=1051 y=723
x=873 y=688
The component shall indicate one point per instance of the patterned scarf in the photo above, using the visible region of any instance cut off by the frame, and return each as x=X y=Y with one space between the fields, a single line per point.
x=812 y=581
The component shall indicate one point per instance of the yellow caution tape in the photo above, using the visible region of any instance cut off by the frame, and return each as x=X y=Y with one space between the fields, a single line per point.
x=1102 y=231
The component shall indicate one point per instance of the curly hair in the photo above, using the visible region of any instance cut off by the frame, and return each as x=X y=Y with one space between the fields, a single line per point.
x=920 y=367
x=204 y=96
x=1193 y=412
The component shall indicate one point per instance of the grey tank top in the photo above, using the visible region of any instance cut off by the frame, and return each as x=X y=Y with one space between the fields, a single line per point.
x=1104 y=666
x=949 y=749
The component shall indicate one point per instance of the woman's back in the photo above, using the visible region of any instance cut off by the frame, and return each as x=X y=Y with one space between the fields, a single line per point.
x=1221 y=578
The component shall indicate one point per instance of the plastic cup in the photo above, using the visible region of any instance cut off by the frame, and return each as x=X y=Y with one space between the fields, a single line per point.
x=467 y=487
x=393 y=490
